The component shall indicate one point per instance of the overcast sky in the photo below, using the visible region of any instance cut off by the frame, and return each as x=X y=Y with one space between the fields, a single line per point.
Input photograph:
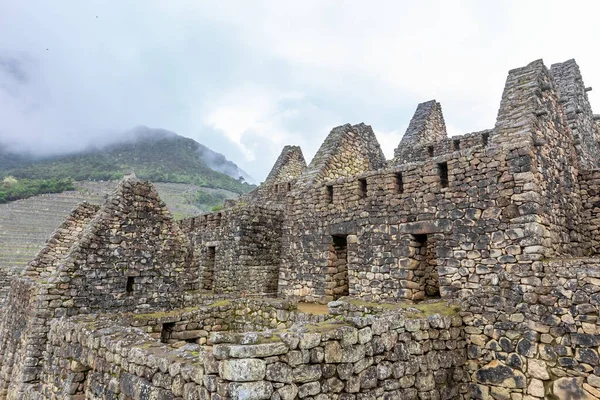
x=245 y=78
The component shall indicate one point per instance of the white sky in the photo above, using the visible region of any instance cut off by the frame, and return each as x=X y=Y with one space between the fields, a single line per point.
x=246 y=78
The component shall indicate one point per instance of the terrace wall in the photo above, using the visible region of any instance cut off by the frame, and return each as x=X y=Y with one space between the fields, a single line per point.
x=389 y=356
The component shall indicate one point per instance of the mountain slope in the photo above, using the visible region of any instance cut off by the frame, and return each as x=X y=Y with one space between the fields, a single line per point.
x=154 y=154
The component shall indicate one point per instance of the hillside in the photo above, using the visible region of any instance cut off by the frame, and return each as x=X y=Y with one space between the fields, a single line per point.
x=155 y=155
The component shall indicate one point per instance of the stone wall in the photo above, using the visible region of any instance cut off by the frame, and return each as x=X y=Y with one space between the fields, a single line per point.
x=589 y=182
x=574 y=100
x=547 y=345
x=478 y=221
x=385 y=356
x=58 y=243
x=237 y=250
x=23 y=324
x=281 y=180
x=422 y=151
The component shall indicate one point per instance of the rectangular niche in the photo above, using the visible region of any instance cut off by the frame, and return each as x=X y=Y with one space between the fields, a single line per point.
x=167 y=331
x=362 y=187
x=329 y=194
x=208 y=275
x=443 y=173
x=129 y=285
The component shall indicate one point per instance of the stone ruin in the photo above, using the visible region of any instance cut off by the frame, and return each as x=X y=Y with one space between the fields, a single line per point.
x=465 y=267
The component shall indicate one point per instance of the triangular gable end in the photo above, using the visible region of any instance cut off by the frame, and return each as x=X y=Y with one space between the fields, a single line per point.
x=131 y=256
x=289 y=165
x=348 y=150
x=426 y=126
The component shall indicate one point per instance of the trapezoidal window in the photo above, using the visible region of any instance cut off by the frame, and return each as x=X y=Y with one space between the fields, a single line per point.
x=399 y=183
x=276 y=188
x=329 y=194
x=443 y=173
x=167 y=331
x=129 y=285
x=485 y=137
x=456 y=144
x=289 y=186
x=338 y=266
x=208 y=275
x=430 y=151
x=362 y=188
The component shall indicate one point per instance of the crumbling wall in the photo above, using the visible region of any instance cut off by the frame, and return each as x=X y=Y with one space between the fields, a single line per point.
x=389 y=356
x=245 y=242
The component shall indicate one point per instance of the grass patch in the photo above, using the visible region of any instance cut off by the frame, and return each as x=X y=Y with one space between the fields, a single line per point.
x=325 y=326
x=164 y=314
x=221 y=303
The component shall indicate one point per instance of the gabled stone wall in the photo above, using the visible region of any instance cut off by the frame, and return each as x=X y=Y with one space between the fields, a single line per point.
x=129 y=256
x=426 y=127
x=347 y=150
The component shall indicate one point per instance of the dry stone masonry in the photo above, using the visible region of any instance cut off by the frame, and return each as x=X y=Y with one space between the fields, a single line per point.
x=466 y=267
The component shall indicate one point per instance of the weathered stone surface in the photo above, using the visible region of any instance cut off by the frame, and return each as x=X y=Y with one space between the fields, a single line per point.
x=250 y=390
x=242 y=370
x=570 y=388
x=499 y=374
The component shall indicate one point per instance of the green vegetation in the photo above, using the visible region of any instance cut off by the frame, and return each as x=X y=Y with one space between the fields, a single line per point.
x=154 y=157
x=218 y=207
x=221 y=303
x=15 y=189
x=205 y=200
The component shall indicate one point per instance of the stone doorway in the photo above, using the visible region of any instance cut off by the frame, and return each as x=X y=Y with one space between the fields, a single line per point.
x=426 y=273
x=417 y=270
x=337 y=284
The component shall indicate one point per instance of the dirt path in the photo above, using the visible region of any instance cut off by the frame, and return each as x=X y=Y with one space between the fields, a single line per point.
x=313 y=308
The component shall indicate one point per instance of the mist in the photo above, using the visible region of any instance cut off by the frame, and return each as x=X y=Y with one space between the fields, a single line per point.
x=246 y=79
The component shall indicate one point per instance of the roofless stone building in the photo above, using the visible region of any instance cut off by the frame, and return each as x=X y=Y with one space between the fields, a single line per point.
x=465 y=267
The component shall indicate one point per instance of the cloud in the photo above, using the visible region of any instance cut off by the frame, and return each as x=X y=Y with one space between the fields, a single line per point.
x=247 y=78
x=252 y=109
